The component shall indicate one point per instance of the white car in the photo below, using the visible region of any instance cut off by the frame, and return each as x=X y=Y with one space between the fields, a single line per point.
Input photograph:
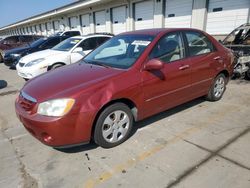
x=67 y=52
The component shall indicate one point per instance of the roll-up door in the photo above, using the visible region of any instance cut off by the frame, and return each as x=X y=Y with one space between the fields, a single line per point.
x=119 y=19
x=85 y=23
x=144 y=15
x=225 y=15
x=178 y=13
x=100 y=22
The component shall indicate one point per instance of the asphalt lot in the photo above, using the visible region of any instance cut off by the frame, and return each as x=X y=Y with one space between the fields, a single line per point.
x=198 y=144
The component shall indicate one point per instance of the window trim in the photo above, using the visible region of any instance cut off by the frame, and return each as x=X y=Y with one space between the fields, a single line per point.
x=185 y=54
x=214 y=49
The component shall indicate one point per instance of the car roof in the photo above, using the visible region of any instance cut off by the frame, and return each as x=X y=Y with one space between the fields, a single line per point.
x=91 y=35
x=157 y=31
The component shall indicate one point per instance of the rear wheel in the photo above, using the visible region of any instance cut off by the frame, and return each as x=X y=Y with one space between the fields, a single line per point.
x=113 y=126
x=217 y=89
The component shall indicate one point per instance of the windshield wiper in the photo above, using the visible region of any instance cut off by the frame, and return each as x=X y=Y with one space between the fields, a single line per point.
x=97 y=63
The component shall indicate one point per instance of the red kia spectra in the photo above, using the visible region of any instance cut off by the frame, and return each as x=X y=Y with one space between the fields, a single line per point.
x=132 y=76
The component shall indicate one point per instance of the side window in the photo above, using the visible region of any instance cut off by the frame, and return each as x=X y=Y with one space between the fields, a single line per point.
x=50 y=43
x=88 y=44
x=11 y=40
x=198 y=43
x=169 y=48
x=101 y=40
x=26 y=38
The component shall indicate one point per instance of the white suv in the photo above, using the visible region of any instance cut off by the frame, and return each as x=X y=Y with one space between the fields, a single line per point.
x=68 y=51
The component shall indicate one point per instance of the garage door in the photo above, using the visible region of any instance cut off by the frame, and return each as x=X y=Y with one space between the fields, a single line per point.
x=56 y=25
x=144 y=15
x=119 y=19
x=73 y=22
x=85 y=23
x=100 y=21
x=178 y=13
x=225 y=15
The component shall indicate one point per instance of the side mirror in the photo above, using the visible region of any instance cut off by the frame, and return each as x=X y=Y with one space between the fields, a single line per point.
x=77 y=50
x=154 y=64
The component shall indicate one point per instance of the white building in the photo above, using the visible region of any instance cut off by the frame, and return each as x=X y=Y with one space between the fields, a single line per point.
x=217 y=17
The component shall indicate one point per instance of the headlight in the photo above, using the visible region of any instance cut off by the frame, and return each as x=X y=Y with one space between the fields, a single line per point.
x=15 y=55
x=34 y=62
x=57 y=107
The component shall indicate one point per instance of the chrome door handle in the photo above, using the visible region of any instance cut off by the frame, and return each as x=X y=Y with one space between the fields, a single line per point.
x=184 y=67
x=219 y=59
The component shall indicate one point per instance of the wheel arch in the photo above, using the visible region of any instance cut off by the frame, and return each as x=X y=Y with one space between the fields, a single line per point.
x=225 y=73
x=125 y=101
x=57 y=63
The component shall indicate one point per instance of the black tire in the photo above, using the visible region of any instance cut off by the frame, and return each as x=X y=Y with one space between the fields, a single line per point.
x=213 y=95
x=247 y=74
x=55 y=66
x=117 y=125
x=1 y=57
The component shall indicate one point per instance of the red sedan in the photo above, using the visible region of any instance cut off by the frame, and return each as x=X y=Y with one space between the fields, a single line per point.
x=132 y=76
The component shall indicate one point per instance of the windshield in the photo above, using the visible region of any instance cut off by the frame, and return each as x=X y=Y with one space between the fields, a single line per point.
x=239 y=36
x=67 y=44
x=38 y=42
x=120 y=51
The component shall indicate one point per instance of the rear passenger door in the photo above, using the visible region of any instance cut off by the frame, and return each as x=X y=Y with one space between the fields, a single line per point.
x=202 y=55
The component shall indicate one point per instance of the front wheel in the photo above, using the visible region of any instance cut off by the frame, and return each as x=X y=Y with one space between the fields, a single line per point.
x=217 y=89
x=113 y=126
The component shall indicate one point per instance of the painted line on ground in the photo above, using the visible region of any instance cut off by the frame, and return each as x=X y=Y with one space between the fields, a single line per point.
x=92 y=182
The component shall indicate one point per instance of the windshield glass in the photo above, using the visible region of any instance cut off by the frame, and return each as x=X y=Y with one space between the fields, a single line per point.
x=120 y=51
x=38 y=42
x=239 y=36
x=67 y=44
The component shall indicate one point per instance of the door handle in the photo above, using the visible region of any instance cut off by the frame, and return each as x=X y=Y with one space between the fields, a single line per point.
x=184 y=67
x=219 y=58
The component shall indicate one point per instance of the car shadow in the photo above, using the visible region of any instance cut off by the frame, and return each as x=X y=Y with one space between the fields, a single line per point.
x=3 y=84
x=138 y=125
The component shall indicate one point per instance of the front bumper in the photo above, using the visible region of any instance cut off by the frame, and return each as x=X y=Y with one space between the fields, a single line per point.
x=71 y=129
x=30 y=72
x=11 y=61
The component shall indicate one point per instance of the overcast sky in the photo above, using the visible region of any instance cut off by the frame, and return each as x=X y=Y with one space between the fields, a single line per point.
x=15 y=10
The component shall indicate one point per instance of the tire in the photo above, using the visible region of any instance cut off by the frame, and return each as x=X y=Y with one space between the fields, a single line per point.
x=1 y=57
x=217 y=89
x=55 y=66
x=247 y=74
x=109 y=131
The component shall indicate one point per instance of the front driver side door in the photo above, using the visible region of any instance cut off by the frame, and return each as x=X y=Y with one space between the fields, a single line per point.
x=169 y=86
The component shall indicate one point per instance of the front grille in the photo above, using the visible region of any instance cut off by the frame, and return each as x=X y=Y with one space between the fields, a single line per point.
x=21 y=64
x=26 y=102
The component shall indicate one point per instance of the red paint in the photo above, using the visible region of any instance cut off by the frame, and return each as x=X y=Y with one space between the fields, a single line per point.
x=149 y=84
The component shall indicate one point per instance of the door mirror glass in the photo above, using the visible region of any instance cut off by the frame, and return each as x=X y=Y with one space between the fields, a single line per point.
x=77 y=50
x=154 y=64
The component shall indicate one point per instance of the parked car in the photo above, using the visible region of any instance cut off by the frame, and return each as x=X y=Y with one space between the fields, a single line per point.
x=239 y=41
x=132 y=76
x=16 y=41
x=12 y=57
x=67 y=52
x=70 y=33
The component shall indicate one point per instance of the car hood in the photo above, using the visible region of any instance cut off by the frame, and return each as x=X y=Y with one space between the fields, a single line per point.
x=68 y=81
x=40 y=54
x=17 y=50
